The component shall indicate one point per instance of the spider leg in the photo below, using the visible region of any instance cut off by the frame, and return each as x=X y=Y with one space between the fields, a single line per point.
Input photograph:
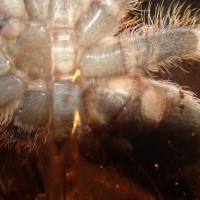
x=141 y=100
x=163 y=41
x=96 y=38
x=161 y=47
x=91 y=27
x=140 y=52
x=181 y=108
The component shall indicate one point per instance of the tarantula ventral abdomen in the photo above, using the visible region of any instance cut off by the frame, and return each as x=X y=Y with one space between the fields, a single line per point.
x=74 y=69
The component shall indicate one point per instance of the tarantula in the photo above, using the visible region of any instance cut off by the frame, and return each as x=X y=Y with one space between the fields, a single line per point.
x=74 y=69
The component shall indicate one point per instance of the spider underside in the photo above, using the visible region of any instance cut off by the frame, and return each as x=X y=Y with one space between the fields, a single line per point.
x=80 y=70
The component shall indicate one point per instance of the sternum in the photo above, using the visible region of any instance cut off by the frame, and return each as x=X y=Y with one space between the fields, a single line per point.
x=63 y=54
